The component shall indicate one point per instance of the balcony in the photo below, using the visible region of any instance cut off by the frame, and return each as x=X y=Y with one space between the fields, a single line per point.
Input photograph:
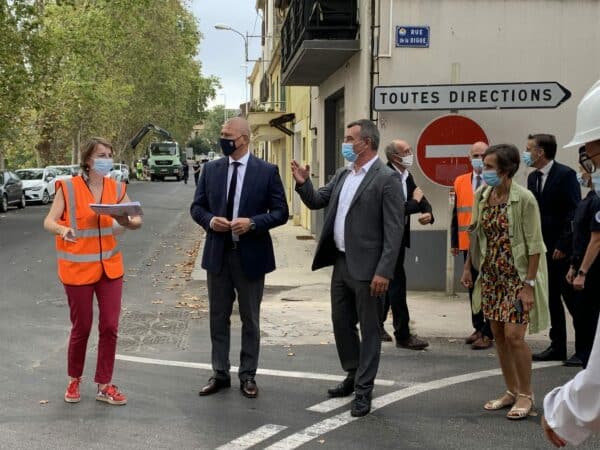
x=266 y=121
x=317 y=38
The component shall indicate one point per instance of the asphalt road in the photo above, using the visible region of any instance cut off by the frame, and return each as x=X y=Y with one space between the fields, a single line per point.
x=426 y=400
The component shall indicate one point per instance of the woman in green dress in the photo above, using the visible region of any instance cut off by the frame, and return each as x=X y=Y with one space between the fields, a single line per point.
x=512 y=289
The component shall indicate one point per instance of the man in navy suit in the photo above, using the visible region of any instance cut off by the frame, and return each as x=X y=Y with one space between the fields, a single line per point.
x=239 y=198
x=557 y=191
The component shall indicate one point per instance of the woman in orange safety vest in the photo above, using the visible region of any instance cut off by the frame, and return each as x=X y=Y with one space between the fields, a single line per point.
x=89 y=261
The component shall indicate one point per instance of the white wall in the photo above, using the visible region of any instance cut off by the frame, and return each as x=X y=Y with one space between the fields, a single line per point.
x=487 y=41
x=493 y=41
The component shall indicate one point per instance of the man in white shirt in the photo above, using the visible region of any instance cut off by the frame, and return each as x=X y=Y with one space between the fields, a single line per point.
x=238 y=199
x=400 y=158
x=558 y=193
x=360 y=238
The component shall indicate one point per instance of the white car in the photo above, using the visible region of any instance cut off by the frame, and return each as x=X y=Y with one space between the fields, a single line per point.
x=62 y=172
x=119 y=172
x=39 y=184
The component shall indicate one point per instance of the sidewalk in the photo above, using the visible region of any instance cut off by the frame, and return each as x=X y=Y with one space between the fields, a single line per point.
x=296 y=305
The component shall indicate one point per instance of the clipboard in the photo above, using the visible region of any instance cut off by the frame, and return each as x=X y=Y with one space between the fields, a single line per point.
x=121 y=209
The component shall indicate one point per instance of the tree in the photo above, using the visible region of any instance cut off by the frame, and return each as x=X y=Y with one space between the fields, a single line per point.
x=18 y=21
x=101 y=68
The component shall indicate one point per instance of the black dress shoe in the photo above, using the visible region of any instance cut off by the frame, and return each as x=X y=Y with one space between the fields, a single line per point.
x=573 y=361
x=343 y=389
x=550 y=354
x=214 y=385
x=249 y=388
x=385 y=336
x=361 y=405
x=412 y=343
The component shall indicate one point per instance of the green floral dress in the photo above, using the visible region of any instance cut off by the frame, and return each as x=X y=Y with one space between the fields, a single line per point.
x=500 y=281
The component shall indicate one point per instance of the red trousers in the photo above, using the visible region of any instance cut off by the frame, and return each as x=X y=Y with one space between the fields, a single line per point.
x=81 y=305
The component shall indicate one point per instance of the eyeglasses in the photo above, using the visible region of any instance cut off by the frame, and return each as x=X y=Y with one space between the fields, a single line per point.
x=587 y=163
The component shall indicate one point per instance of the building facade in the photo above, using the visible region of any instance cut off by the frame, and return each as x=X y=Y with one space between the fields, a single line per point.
x=345 y=49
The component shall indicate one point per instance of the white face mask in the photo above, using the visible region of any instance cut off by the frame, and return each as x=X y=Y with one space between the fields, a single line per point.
x=407 y=161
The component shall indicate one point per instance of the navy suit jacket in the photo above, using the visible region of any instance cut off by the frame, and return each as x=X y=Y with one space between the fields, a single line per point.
x=558 y=202
x=262 y=200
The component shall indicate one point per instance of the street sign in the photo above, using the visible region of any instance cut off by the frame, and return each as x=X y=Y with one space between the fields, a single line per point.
x=548 y=94
x=443 y=147
x=409 y=36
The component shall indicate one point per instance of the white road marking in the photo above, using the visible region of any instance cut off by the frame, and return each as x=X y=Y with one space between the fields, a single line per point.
x=331 y=404
x=335 y=403
x=312 y=432
x=269 y=372
x=253 y=438
x=447 y=151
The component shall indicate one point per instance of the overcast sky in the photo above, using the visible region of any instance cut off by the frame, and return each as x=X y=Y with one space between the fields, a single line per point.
x=222 y=52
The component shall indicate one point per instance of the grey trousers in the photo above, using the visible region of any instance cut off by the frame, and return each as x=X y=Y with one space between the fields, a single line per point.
x=222 y=290
x=352 y=303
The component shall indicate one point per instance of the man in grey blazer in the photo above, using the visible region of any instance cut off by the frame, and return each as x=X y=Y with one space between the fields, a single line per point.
x=361 y=238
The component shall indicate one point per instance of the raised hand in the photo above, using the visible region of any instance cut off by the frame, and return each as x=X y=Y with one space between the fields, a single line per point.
x=300 y=174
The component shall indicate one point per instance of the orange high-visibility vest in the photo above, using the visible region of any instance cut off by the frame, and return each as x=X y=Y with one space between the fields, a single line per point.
x=463 y=187
x=95 y=251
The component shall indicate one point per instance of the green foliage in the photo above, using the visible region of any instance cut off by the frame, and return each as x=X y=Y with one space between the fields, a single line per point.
x=78 y=69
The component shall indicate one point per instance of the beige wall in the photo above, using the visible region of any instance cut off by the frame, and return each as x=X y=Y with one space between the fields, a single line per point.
x=475 y=41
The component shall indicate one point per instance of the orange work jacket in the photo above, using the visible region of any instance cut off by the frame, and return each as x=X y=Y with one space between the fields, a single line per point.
x=95 y=251
x=463 y=187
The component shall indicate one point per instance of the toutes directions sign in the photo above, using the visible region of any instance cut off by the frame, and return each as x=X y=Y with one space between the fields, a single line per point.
x=470 y=96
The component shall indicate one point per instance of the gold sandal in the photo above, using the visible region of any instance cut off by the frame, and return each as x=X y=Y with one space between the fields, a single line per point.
x=522 y=413
x=494 y=405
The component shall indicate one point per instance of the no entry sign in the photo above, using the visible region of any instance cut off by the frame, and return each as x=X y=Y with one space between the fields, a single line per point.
x=443 y=147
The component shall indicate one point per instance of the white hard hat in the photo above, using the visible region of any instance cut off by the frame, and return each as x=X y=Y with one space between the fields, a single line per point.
x=587 y=127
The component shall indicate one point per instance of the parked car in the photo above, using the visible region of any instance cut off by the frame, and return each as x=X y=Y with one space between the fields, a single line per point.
x=75 y=169
x=62 y=172
x=11 y=190
x=119 y=172
x=39 y=184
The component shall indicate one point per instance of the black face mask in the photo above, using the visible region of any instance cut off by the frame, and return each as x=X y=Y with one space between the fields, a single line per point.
x=228 y=146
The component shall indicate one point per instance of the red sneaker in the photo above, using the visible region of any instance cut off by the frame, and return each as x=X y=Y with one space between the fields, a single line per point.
x=72 y=395
x=111 y=395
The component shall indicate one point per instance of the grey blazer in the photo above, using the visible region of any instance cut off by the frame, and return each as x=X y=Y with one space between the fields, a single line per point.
x=374 y=223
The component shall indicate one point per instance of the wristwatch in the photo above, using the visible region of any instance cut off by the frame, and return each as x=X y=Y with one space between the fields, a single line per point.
x=530 y=283
x=581 y=273
x=252 y=225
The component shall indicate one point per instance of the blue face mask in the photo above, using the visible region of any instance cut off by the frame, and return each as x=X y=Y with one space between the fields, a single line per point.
x=477 y=164
x=348 y=152
x=103 y=165
x=491 y=177
x=228 y=146
x=527 y=159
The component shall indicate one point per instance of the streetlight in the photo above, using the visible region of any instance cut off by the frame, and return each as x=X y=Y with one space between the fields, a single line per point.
x=245 y=66
x=225 y=27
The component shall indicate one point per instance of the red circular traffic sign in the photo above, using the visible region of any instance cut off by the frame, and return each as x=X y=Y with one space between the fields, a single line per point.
x=443 y=147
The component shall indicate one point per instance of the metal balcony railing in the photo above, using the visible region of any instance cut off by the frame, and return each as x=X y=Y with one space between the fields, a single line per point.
x=267 y=107
x=317 y=19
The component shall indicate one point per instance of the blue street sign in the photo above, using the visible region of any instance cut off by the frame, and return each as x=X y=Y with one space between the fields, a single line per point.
x=409 y=36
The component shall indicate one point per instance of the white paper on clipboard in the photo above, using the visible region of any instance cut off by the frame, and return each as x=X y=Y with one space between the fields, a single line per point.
x=122 y=209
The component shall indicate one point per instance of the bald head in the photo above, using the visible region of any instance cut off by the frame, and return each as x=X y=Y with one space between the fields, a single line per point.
x=238 y=131
x=238 y=124
x=478 y=149
x=398 y=153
